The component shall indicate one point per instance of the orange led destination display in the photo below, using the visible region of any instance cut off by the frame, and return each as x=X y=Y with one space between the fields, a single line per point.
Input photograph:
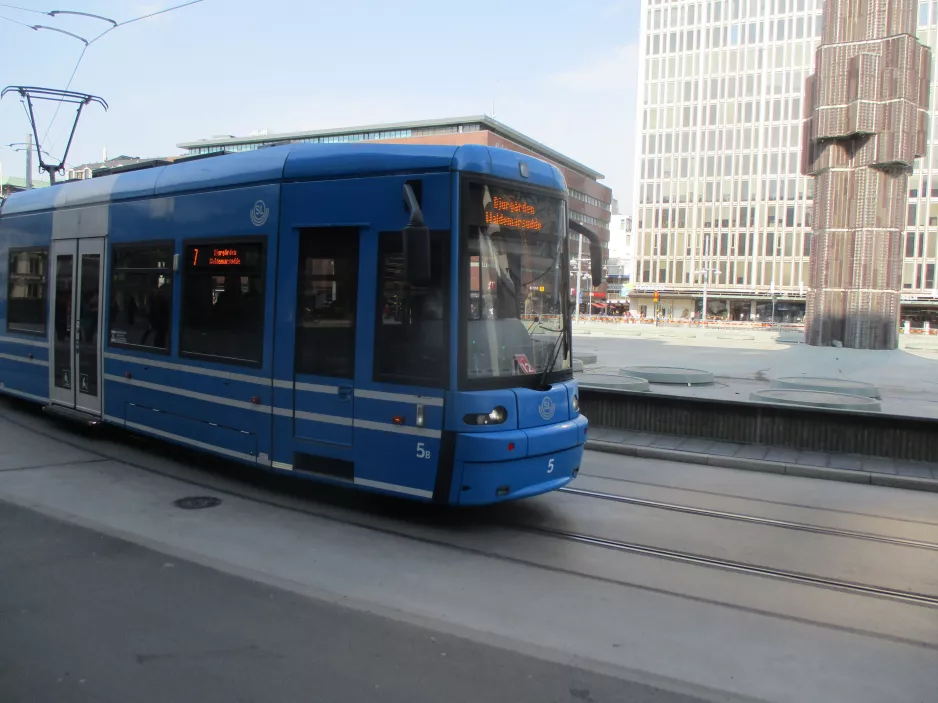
x=500 y=203
x=223 y=256
x=509 y=209
x=512 y=213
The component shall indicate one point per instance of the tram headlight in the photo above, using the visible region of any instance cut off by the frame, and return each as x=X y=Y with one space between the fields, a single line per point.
x=576 y=404
x=496 y=417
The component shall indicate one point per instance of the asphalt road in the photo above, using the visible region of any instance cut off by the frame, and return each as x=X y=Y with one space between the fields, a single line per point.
x=289 y=591
x=88 y=617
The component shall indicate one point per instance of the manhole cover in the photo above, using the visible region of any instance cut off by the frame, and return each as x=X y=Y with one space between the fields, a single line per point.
x=815 y=399
x=197 y=502
x=830 y=385
x=669 y=375
x=619 y=383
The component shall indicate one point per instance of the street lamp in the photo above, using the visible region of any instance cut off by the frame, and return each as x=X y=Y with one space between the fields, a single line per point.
x=578 y=286
x=589 y=310
x=773 y=298
x=706 y=273
x=578 y=264
x=28 y=148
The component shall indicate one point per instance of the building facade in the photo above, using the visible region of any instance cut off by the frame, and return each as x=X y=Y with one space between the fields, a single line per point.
x=867 y=124
x=590 y=201
x=83 y=171
x=919 y=296
x=720 y=196
x=621 y=264
x=15 y=184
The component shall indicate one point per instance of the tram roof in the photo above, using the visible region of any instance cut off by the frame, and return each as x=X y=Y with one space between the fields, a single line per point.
x=279 y=163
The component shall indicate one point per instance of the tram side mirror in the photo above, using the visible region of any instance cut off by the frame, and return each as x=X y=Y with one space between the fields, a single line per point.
x=596 y=251
x=596 y=263
x=417 y=254
x=416 y=236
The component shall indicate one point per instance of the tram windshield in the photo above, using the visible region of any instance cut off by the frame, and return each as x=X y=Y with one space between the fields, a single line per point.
x=515 y=279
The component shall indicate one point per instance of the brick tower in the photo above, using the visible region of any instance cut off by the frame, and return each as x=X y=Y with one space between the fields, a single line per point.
x=866 y=122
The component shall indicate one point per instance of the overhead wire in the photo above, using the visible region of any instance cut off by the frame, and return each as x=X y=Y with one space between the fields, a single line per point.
x=102 y=34
x=158 y=12
x=26 y=110
x=23 y=9
x=58 y=105
x=21 y=24
x=68 y=85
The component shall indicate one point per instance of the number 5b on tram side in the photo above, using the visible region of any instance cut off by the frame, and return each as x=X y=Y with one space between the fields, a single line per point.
x=390 y=317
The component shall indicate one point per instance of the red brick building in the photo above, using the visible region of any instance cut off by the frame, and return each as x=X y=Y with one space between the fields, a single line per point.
x=590 y=201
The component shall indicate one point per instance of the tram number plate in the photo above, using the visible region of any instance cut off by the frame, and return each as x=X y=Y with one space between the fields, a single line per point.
x=524 y=364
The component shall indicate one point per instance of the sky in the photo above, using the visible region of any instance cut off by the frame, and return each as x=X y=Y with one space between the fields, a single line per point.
x=564 y=73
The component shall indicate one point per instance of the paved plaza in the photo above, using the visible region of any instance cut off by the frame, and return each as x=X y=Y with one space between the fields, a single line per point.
x=743 y=361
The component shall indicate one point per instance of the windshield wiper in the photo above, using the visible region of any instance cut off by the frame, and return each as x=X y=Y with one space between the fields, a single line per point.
x=541 y=326
x=554 y=353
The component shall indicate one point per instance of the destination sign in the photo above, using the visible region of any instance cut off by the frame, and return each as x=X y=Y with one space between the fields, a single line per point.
x=513 y=209
x=516 y=214
x=220 y=256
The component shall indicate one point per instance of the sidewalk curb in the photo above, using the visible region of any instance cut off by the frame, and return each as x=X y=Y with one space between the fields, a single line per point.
x=763 y=466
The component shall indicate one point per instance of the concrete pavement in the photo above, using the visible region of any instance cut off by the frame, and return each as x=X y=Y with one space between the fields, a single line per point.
x=88 y=617
x=676 y=629
x=744 y=361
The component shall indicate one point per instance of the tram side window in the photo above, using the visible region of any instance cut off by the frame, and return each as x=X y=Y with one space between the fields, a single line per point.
x=326 y=299
x=223 y=302
x=26 y=299
x=141 y=304
x=412 y=321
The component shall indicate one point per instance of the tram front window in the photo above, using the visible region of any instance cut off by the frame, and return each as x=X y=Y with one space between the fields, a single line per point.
x=515 y=277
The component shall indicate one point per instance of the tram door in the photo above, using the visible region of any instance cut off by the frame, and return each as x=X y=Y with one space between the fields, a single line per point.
x=75 y=368
x=324 y=361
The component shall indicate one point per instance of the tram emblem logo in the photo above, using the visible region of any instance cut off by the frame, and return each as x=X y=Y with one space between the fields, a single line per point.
x=547 y=408
x=259 y=213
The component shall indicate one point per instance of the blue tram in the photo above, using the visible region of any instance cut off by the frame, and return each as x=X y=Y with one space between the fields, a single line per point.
x=390 y=317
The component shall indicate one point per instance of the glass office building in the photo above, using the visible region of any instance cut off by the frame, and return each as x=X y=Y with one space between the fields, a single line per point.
x=719 y=195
